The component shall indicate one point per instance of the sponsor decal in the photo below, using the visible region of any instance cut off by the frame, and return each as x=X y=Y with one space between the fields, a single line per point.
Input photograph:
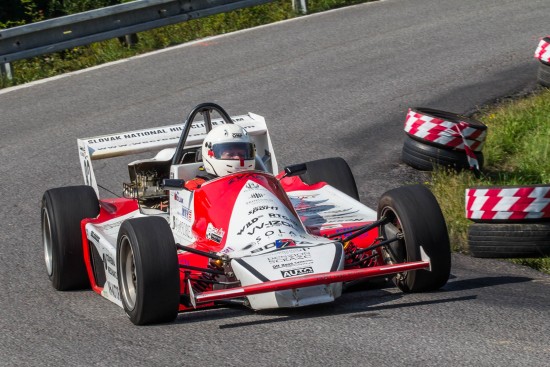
x=243 y=176
x=181 y=228
x=276 y=215
x=112 y=272
x=247 y=225
x=288 y=256
x=292 y=264
x=214 y=234
x=261 y=208
x=113 y=290
x=237 y=135
x=186 y=213
x=270 y=245
x=94 y=235
x=227 y=250
x=105 y=139
x=287 y=242
x=177 y=197
x=112 y=225
x=269 y=224
x=256 y=195
x=107 y=259
x=252 y=185
x=295 y=272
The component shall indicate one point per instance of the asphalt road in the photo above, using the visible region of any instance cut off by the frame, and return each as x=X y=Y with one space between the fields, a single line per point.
x=332 y=84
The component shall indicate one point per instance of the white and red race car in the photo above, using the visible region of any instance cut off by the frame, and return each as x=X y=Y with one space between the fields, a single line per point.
x=263 y=238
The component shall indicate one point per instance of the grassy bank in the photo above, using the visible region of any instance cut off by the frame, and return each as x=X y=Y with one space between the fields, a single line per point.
x=102 y=52
x=517 y=152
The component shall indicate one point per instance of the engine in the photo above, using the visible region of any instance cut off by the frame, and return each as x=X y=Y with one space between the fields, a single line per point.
x=145 y=183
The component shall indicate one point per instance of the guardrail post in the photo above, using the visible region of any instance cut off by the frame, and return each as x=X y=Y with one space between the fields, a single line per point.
x=5 y=69
x=299 y=6
x=129 y=40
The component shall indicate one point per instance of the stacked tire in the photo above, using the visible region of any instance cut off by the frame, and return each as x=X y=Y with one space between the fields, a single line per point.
x=441 y=138
x=542 y=53
x=509 y=222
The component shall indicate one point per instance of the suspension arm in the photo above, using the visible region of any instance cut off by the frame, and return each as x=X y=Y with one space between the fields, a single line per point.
x=199 y=252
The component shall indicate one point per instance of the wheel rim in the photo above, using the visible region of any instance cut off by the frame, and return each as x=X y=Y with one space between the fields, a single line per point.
x=47 y=241
x=398 y=249
x=128 y=273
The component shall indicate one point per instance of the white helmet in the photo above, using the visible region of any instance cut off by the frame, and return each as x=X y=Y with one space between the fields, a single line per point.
x=228 y=149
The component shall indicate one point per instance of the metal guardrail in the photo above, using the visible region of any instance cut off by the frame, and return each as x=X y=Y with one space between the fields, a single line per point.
x=107 y=23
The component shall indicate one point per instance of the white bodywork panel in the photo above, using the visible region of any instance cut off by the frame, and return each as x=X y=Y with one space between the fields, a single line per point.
x=286 y=263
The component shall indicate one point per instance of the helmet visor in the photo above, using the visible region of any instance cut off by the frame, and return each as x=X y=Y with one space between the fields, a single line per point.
x=233 y=151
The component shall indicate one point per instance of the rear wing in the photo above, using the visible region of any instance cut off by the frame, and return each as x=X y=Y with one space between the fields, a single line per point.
x=158 y=138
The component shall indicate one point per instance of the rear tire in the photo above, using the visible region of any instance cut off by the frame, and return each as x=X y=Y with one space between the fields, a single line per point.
x=335 y=172
x=414 y=211
x=62 y=211
x=148 y=272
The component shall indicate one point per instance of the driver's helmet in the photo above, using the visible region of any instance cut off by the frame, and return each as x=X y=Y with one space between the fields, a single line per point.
x=228 y=149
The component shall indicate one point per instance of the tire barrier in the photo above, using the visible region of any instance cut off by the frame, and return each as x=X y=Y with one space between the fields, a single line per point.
x=543 y=75
x=542 y=53
x=508 y=204
x=447 y=131
x=424 y=157
x=505 y=240
x=543 y=50
x=510 y=221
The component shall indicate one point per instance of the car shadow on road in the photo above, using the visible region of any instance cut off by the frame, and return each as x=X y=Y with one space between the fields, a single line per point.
x=338 y=310
x=359 y=303
x=482 y=282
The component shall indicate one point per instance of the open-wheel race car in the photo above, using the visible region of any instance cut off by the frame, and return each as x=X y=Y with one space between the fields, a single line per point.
x=258 y=237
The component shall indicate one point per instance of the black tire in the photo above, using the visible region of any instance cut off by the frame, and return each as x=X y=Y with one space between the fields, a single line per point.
x=425 y=157
x=543 y=75
x=335 y=172
x=502 y=240
x=414 y=211
x=62 y=211
x=148 y=272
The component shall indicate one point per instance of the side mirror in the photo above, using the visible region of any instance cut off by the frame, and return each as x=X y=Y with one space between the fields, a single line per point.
x=172 y=184
x=295 y=170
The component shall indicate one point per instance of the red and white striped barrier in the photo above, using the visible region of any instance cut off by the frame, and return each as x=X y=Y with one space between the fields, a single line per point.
x=543 y=50
x=513 y=203
x=447 y=129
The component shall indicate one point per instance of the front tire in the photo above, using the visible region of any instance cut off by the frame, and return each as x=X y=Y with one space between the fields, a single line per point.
x=415 y=216
x=62 y=211
x=148 y=272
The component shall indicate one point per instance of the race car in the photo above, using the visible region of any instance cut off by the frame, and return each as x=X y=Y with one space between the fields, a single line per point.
x=260 y=238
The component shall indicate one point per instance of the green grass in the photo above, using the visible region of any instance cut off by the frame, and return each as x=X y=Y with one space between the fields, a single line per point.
x=102 y=52
x=517 y=152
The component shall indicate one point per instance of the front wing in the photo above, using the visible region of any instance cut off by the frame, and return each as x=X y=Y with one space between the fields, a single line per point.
x=305 y=281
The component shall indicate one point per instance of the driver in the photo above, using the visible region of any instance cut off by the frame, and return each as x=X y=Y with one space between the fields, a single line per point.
x=226 y=149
